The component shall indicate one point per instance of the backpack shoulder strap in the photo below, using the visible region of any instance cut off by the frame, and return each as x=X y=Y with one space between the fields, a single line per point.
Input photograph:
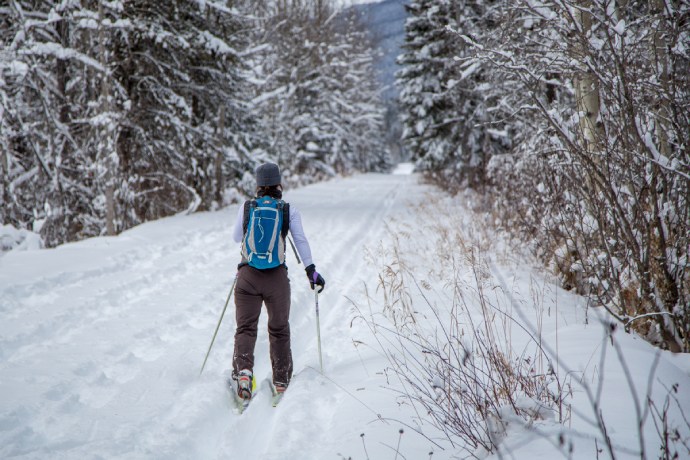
x=286 y=220
x=248 y=205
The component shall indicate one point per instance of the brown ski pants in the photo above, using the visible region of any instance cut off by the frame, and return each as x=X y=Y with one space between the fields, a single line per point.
x=271 y=287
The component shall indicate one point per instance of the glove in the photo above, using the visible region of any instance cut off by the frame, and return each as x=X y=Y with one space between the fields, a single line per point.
x=315 y=278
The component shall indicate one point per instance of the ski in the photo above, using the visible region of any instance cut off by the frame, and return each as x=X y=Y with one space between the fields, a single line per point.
x=242 y=404
x=276 y=397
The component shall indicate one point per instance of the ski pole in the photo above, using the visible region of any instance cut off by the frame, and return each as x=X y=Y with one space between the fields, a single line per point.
x=318 y=328
x=218 y=326
x=294 y=249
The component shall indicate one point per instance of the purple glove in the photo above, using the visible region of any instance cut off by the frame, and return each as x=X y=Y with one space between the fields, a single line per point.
x=315 y=278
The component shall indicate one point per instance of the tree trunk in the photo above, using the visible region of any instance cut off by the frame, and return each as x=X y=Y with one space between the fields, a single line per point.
x=587 y=86
x=62 y=78
x=4 y=180
x=106 y=143
x=664 y=282
x=220 y=185
x=660 y=54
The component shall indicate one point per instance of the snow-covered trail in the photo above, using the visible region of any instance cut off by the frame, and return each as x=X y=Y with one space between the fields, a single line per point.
x=101 y=341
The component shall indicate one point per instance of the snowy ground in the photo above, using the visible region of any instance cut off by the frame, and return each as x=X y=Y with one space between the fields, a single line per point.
x=101 y=342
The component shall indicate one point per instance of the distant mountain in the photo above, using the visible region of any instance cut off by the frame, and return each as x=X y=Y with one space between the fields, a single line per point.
x=386 y=22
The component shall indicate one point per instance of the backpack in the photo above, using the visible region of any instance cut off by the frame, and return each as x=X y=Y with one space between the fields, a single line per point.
x=266 y=223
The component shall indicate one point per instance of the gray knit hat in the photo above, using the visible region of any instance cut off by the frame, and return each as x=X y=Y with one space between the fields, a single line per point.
x=267 y=174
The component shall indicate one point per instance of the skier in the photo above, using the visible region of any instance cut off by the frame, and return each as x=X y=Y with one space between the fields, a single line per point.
x=259 y=282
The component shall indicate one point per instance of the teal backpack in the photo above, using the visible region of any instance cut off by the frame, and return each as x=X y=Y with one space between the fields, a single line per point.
x=266 y=224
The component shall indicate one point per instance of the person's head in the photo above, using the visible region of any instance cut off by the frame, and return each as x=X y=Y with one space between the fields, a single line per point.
x=268 y=181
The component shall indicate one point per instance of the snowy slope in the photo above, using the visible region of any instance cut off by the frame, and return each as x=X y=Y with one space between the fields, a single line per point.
x=101 y=341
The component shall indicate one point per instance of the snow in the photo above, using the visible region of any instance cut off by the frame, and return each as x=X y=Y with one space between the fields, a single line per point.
x=17 y=68
x=620 y=27
x=347 y=3
x=470 y=70
x=404 y=168
x=15 y=239
x=101 y=341
x=217 y=45
x=60 y=52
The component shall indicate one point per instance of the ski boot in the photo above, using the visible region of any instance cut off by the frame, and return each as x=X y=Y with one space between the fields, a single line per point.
x=245 y=385
x=277 y=391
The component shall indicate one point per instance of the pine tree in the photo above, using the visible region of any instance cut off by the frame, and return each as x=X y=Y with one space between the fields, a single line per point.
x=45 y=118
x=191 y=126
x=426 y=83
x=119 y=112
x=351 y=108
x=443 y=97
x=318 y=96
x=115 y=113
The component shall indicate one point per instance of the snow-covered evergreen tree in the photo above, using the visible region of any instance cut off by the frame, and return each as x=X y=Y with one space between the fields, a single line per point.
x=318 y=95
x=119 y=112
x=448 y=105
x=431 y=128
x=350 y=106
x=50 y=86
x=188 y=115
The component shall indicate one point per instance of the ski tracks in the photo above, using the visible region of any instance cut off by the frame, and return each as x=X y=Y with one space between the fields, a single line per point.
x=100 y=336
x=101 y=350
x=350 y=217
x=341 y=219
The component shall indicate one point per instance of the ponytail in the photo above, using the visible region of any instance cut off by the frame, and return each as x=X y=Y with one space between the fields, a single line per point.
x=274 y=191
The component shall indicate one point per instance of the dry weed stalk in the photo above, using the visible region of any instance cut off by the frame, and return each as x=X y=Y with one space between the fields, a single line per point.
x=462 y=375
x=456 y=363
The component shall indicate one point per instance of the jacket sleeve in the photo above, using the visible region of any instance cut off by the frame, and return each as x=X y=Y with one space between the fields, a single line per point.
x=238 y=231
x=299 y=237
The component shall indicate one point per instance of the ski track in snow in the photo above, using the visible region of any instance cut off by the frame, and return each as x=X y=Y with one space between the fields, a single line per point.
x=101 y=349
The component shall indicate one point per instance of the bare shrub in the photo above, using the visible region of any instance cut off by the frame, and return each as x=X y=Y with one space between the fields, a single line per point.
x=598 y=177
x=455 y=367
x=472 y=364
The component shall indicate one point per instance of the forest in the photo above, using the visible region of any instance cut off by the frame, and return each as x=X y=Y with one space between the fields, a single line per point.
x=573 y=118
x=119 y=112
x=505 y=231
x=570 y=118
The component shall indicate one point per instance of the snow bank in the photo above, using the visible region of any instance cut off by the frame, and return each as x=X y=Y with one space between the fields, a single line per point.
x=18 y=239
